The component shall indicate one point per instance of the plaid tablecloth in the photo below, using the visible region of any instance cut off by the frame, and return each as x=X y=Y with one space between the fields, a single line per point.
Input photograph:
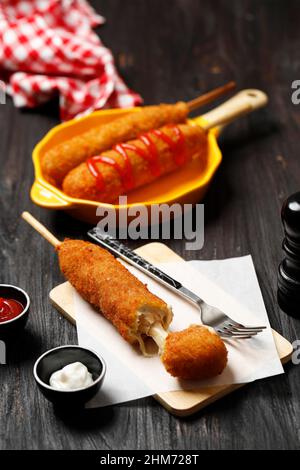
x=49 y=47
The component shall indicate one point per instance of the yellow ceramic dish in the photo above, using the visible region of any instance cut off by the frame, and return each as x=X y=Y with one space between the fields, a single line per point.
x=188 y=185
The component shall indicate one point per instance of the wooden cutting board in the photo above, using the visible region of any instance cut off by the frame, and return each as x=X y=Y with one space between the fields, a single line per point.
x=178 y=403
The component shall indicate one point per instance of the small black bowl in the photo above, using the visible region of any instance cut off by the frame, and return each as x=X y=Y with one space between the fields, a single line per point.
x=56 y=359
x=10 y=327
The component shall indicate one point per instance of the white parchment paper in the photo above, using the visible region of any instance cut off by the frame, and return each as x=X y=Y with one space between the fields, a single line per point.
x=228 y=284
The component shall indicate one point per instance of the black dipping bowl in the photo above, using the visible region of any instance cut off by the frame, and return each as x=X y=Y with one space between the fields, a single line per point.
x=10 y=327
x=56 y=359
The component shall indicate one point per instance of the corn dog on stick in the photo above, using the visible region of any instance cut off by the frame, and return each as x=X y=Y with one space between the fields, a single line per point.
x=61 y=159
x=194 y=353
x=136 y=163
x=93 y=271
x=106 y=284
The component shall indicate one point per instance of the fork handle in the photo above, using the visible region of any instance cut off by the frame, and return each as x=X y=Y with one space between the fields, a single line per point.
x=143 y=265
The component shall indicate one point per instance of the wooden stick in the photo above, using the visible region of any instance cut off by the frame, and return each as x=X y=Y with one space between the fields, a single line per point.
x=210 y=96
x=41 y=229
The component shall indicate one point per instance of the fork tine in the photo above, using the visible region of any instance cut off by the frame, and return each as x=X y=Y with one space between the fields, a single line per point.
x=235 y=337
x=257 y=330
x=246 y=333
x=246 y=327
x=229 y=336
x=233 y=334
x=232 y=330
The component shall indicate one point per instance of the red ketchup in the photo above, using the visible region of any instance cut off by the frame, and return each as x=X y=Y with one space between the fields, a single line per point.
x=149 y=153
x=9 y=309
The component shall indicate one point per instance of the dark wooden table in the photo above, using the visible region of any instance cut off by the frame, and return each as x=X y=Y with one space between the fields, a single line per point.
x=168 y=50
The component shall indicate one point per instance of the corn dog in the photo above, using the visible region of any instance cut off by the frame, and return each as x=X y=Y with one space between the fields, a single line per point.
x=111 y=288
x=136 y=163
x=61 y=159
x=194 y=353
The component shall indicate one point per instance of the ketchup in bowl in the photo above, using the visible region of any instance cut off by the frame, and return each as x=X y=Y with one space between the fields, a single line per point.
x=9 y=309
x=14 y=310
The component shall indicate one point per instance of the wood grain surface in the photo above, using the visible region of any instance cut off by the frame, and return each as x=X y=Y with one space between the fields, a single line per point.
x=167 y=51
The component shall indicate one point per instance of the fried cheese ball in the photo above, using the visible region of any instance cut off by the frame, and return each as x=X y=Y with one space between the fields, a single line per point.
x=194 y=353
x=58 y=161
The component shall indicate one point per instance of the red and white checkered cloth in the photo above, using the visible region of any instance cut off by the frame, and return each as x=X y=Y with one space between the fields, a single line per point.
x=49 y=47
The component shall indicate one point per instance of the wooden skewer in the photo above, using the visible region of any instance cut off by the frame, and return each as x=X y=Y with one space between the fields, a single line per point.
x=41 y=229
x=210 y=96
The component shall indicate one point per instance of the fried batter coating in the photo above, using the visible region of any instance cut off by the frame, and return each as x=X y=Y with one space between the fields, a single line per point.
x=106 y=284
x=59 y=160
x=194 y=353
x=81 y=183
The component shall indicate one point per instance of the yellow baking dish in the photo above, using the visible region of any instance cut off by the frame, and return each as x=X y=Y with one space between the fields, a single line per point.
x=187 y=185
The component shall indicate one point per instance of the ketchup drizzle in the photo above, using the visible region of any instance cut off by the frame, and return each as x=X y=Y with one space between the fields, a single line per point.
x=149 y=154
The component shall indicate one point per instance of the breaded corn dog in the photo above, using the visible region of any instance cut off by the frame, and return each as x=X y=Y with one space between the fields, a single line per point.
x=194 y=353
x=58 y=161
x=105 y=283
x=136 y=163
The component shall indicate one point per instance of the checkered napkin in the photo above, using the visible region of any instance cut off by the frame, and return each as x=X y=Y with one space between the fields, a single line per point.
x=49 y=47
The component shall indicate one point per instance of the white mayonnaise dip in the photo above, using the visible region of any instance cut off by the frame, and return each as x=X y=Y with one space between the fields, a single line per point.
x=70 y=377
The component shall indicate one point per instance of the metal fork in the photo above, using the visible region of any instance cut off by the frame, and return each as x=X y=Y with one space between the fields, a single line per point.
x=210 y=316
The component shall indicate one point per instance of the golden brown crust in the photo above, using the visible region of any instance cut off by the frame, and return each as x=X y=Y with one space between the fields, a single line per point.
x=194 y=353
x=105 y=283
x=58 y=161
x=80 y=183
